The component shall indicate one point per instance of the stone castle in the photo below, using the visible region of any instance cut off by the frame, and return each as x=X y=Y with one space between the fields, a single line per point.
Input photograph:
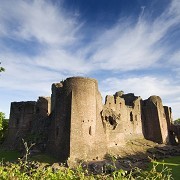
x=75 y=124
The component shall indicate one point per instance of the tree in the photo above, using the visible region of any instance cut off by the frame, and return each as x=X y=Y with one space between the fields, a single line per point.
x=3 y=126
x=1 y=68
x=177 y=121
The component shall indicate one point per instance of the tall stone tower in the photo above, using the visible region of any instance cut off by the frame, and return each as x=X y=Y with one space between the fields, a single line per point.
x=76 y=112
x=154 y=120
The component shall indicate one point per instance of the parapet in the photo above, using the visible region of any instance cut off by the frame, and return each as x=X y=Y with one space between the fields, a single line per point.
x=77 y=78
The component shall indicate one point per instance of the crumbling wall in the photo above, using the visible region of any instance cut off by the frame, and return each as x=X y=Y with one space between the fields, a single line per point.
x=27 y=121
x=122 y=118
x=74 y=123
x=20 y=122
x=154 y=120
x=59 y=131
x=41 y=122
x=169 y=120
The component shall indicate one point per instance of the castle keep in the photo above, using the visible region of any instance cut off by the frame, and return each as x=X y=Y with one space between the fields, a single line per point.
x=74 y=122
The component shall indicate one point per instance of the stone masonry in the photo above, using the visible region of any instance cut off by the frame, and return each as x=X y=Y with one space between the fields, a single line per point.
x=75 y=124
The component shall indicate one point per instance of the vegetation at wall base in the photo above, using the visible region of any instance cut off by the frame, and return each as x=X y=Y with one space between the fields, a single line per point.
x=27 y=168
x=35 y=170
x=171 y=163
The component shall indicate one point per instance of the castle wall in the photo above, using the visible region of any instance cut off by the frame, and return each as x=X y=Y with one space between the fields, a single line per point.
x=59 y=131
x=122 y=119
x=154 y=119
x=43 y=106
x=74 y=123
x=20 y=122
x=27 y=118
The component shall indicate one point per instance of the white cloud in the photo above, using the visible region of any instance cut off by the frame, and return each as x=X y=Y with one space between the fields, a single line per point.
x=145 y=87
x=37 y=19
x=130 y=46
x=175 y=59
x=61 y=60
x=49 y=27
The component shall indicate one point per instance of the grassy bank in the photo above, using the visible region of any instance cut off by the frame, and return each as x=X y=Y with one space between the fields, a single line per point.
x=172 y=163
x=31 y=170
x=6 y=155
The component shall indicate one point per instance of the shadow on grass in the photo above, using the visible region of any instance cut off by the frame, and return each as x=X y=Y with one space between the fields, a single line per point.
x=8 y=155
x=44 y=158
x=12 y=155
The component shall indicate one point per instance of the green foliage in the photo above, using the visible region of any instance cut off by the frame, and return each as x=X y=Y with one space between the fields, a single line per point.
x=3 y=126
x=155 y=173
x=171 y=163
x=25 y=169
x=2 y=69
x=34 y=170
x=177 y=121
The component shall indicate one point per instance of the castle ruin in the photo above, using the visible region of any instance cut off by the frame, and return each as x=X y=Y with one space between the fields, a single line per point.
x=75 y=124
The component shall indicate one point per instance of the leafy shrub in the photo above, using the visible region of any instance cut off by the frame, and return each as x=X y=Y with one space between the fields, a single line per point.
x=177 y=121
x=3 y=126
x=26 y=170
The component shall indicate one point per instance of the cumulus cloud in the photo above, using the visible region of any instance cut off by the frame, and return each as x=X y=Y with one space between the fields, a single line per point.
x=145 y=87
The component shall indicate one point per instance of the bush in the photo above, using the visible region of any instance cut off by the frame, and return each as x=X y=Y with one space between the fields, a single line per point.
x=3 y=126
x=35 y=170
x=177 y=121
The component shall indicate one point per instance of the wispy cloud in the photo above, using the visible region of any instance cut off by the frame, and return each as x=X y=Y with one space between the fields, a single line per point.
x=130 y=46
x=52 y=29
x=39 y=20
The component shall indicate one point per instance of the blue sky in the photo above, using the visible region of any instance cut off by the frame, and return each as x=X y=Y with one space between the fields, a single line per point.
x=129 y=45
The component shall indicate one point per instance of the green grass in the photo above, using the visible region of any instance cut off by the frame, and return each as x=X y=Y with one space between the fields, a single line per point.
x=172 y=163
x=14 y=155
x=44 y=158
x=9 y=155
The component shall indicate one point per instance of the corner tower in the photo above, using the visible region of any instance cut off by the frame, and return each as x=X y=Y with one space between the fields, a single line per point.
x=77 y=116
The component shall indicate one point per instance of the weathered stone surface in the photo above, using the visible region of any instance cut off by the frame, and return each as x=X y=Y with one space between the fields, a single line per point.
x=74 y=124
x=28 y=121
x=154 y=119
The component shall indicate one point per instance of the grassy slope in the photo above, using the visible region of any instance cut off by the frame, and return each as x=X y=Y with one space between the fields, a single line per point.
x=14 y=155
x=9 y=155
x=172 y=163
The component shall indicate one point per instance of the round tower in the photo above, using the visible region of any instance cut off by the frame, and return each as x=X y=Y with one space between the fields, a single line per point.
x=83 y=92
